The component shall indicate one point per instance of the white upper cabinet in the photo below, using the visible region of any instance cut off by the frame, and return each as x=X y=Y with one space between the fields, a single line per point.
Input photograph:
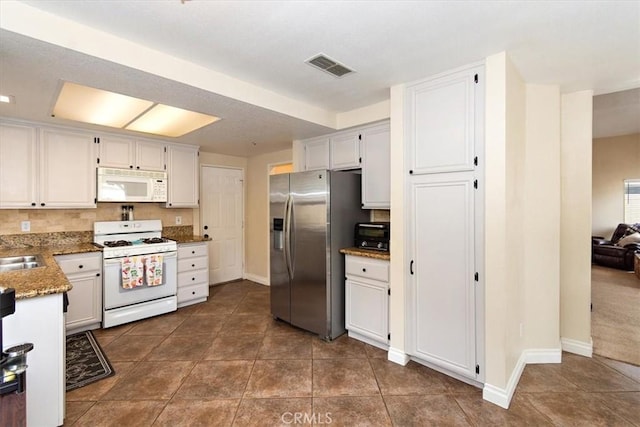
x=128 y=154
x=345 y=151
x=150 y=156
x=376 y=172
x=441 y=127
x=52 y=169
x=183 y=174
x=18 y=166
x=67 y=169
x=316 y=154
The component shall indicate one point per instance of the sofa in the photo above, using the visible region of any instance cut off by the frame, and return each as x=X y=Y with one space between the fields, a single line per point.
x=619 y=251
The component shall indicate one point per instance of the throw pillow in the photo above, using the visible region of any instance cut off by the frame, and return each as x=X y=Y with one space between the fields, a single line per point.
x=631 y=238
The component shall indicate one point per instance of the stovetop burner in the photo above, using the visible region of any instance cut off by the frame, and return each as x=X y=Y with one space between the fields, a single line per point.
x=154 y=240
x=117 y=243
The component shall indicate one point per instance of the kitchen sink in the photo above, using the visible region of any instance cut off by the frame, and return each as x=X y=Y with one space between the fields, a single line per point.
x=24 y=262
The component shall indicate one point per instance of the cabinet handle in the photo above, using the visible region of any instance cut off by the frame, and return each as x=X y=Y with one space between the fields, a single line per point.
x=97 y=274
x=81 y=266
x=364 y=270
x=193 y=292
x=33 y=204
x=193 y=265
x=130 y=166
x=193 y=252
x=193 y=278
x=206 y=227
x=206 y=236
x=137 y=167
x=411 y=267
x=41 y=204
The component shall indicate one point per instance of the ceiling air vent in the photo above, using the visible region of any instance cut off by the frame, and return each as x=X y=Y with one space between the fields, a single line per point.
x=328 y=65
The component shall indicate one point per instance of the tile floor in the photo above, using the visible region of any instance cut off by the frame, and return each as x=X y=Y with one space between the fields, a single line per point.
x=227 y=362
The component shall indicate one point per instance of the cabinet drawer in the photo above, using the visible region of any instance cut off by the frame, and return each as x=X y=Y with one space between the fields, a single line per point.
x=193 y=278
x=71 y=264
x=192 y=292
x=192 y=251
x=192 y=264
x=369 y=268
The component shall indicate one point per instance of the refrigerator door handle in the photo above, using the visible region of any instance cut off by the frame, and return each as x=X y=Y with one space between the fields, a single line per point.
x=287 y=236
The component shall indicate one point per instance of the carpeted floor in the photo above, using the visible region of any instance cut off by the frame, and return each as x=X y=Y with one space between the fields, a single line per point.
x=615 y=320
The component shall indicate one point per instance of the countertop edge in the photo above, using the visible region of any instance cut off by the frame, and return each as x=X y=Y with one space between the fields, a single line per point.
x=41 y=281
x=367 y=253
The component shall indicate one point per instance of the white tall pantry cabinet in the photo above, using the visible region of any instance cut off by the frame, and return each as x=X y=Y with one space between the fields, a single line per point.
x=444 y=134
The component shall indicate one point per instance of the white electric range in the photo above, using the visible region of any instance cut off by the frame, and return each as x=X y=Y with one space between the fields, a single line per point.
x=122 y=243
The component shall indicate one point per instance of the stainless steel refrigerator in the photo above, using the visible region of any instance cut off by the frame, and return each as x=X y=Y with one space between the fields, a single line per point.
x=312 y=216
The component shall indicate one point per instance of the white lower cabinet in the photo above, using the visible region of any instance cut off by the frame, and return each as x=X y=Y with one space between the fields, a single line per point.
x=367 y=300
x=193 y=273
x=84 y=271
x=40 y=321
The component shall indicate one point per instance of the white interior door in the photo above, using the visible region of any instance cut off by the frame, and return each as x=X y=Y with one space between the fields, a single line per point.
x=222 y=213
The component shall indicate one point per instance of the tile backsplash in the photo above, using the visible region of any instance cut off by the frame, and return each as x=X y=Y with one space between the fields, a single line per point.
x=380 y=215
x=57 y=220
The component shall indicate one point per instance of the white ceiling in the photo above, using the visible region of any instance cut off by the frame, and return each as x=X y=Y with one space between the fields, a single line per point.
x=577 y=45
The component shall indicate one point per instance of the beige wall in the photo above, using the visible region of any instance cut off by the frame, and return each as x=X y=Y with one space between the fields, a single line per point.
x=496 y=296
x=257 y=214
x=575 y=231
x=614 y=160
x=398 y=215
x=541 y=296
x=55 y=220
x=515 y=163
x=522 y=243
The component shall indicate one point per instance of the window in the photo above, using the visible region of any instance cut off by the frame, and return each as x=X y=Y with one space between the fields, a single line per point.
x=631 y=201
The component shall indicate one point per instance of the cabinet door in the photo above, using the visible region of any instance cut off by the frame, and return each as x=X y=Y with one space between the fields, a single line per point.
x=345 y=151
x=117 y=152
x=85 y=302
x=182 y=170
x=316 y=154
x=18 y=166
x=68 y=169
x=150 y=156
x=441 y=123
x=367 y=308
x=442 y=288
x=376 y=175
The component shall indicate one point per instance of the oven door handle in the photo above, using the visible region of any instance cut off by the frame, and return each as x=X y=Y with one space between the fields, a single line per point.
x=166 y=255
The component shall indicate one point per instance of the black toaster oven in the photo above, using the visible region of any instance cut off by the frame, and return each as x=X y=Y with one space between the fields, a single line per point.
x=373 y=235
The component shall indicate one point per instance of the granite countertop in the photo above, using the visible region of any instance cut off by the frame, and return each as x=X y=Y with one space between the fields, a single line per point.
x=190 y=239
x=41 y=280
x=367 y=253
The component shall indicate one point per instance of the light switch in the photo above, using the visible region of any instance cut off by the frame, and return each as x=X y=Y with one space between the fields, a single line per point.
x=25 y=226
x=178 y=220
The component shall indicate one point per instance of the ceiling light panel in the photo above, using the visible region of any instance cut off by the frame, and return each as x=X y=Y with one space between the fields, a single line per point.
x=100 y=107
x=170 y=121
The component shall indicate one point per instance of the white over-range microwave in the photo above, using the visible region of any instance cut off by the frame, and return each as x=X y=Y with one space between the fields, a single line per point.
x=131 y=185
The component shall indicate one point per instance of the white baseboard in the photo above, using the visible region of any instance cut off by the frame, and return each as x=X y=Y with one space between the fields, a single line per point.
x=255 y=278
x=577 y=347
x=502 y=396
x=397 y=356
x=545 y=355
